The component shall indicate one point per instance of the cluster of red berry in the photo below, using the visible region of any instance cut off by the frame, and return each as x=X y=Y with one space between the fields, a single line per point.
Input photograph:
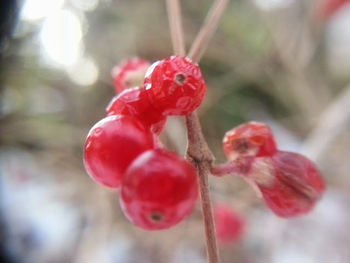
x=288 y=182
x=158 y=188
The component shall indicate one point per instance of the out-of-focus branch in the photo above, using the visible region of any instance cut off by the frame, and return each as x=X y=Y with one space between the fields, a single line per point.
x=175 y=21
x=210 y=24
x=331 y=124
x=295 y=46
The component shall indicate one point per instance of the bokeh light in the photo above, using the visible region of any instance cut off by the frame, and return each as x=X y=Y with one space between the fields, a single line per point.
x=84 y=72
x=61 y=36
x=37 y=9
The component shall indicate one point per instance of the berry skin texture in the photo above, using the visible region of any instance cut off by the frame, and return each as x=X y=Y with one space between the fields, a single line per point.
x=289 y=183
x=158 y=190
x=129 y=73
x=111 y=145
x=251 y=139
x=229 y=225
x=134 y=103
x=175 y=85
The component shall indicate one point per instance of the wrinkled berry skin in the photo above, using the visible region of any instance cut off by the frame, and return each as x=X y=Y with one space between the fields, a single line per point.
x=251 y=139
x=229 y=225
x=129 y=74
x=134 y=103
x=158 y=190
x=111 y=145
x=175 y=85
x=292 y=185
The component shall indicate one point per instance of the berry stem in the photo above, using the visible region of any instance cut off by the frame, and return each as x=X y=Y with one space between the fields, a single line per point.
x=210 y=24
x=226 y=169
x=175 y=21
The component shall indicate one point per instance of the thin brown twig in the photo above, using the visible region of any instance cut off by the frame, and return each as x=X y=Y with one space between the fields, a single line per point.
x=198 y=152
x=175 y=21
x=210 y=24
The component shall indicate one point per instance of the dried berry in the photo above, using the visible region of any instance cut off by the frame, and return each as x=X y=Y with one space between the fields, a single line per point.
x=289 y=183
x=252 y=139
x=175 y=85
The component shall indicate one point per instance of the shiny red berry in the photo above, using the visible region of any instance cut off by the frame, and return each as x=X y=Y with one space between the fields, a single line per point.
x=158 y=190
x=111 y=145
x=252 y=139
x=134 y=103
x=228 y=223
x=289 y=183
x=129 y=73
x=175 y=85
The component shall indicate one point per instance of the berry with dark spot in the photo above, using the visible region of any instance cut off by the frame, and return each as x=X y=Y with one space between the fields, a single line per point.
x=175 y=85
x=158 y=190
x=252 y=139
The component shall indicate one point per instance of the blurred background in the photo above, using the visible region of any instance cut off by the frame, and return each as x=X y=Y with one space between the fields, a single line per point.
x=283 y=62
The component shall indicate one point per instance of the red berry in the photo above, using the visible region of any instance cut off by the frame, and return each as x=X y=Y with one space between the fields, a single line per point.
x=111 y=145
x=229 y=225
x=175 y=85
x=134 y=102
x=289 y=183
x=129 y=74
x=327 y=8
x=158 y=190
x=252 y=139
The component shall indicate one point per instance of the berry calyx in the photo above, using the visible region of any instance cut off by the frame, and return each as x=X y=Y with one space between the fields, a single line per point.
x=228 y=223
x=134 y=103
x=158 y=190
x=129 y=73
x=111 y=145
x=252 y=139
x=175 y=85
x=289 y=183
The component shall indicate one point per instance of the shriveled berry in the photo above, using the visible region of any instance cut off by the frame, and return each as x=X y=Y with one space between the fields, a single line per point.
x=158 y=190
x=134 y=103
x=251 y=139
x=289 y=183
x=175 y=85
x=111 y=145
x=228 y=223
x=129 y=73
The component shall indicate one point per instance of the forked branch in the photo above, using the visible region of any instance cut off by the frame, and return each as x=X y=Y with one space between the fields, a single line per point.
x=198 y=151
